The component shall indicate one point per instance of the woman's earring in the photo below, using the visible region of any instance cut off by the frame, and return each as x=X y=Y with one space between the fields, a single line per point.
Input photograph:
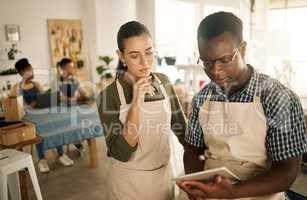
x=124 y=64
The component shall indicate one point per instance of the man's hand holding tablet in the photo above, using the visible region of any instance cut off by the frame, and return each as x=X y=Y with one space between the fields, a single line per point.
x=214 y=183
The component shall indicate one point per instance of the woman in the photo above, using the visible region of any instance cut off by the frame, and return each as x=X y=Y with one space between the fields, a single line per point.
x=139 y=112
x=27 y=87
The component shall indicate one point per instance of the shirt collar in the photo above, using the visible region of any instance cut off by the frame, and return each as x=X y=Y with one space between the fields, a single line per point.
x=249 y=88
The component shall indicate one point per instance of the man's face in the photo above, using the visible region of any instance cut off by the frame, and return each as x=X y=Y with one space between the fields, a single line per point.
x=69 y=69
x=223 y=59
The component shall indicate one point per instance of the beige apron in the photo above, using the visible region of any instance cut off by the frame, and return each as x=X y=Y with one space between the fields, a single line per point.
x=147 y=175
x=235 y=135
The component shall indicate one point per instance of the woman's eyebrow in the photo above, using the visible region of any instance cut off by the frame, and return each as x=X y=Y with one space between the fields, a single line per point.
x=131 y=52
x=149 y=48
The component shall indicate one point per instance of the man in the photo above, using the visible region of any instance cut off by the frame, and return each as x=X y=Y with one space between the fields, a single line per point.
x=243 y=120
x=68 y=84
x=71 y=90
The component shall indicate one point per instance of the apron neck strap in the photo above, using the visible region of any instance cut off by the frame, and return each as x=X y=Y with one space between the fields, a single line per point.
x=209 y=95
x=161 y=86
x=257 y=94
x=121 y=94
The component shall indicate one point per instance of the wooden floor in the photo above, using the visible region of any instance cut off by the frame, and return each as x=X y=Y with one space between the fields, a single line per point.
x=80 y=182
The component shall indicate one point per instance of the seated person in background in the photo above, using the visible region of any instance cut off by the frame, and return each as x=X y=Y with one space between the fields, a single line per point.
x=29 y=89
x=69 y=85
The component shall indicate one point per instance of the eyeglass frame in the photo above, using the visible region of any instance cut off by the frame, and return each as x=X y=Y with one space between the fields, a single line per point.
x=218 y=61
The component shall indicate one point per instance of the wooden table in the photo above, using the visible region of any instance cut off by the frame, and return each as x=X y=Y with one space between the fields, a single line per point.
x=22 y=173
x=64 y=125
x=92 y=150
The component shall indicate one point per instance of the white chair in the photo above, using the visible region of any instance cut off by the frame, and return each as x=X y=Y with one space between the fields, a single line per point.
x=11 y=161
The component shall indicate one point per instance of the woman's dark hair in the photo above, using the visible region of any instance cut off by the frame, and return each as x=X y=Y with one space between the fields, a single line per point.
x=128 y=30
x=64 y=62
x=218 y=23
x=21 y=65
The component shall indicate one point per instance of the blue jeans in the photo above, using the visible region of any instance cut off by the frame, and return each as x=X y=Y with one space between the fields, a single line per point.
x=40 y=150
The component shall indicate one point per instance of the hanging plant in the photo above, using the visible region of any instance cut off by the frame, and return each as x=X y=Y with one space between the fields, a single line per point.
x=11 y=71
x=104 y=69
x=12 y=51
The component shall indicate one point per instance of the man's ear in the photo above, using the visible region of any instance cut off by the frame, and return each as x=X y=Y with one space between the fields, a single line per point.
x=243 y=49
x=120 y=56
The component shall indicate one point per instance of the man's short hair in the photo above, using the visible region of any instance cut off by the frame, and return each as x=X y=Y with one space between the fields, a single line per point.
x=64 y=62
x=217 y=23
x=22 y=64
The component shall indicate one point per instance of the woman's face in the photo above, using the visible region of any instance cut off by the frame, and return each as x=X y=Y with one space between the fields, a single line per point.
x=138 y=55
x=27 y=74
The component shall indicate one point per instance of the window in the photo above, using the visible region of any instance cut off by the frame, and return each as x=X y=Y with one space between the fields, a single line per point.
x=288 y=58
x=238 y=7
x=176 y=29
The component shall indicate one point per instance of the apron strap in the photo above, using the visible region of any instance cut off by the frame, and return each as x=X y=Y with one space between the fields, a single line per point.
x=257 y=94
x=121 y=93
x=209 y=95
x=163 y=90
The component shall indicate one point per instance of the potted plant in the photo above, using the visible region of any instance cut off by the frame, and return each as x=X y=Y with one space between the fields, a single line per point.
x=170 y=60
x=104 y=71
x=12 y=51
x=11 y=71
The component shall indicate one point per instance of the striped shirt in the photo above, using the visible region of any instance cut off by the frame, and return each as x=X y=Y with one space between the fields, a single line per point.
x=284 y=114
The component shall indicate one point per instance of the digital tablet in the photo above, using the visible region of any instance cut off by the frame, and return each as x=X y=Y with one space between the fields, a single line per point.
x=208 y=175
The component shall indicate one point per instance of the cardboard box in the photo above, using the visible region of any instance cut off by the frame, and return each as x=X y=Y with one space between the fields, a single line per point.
x=13 y=108
x=16 y=133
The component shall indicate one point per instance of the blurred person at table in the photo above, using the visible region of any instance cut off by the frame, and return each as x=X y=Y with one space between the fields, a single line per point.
x=70 y=89
x=29 y=89
x=68 y=84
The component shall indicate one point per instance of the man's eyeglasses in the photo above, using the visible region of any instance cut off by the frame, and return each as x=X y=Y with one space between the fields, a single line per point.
x=208 y=65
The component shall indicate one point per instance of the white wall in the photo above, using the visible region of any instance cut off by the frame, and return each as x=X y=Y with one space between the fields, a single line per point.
x=146 y=11
x=32 y=17
x=110 y=16
x=100 y=19
x=90 y=35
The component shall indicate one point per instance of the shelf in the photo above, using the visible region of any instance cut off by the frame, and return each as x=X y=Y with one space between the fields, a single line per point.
x=194 y=74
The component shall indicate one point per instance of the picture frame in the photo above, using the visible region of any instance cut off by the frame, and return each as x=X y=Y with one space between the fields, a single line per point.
x=12 y=32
